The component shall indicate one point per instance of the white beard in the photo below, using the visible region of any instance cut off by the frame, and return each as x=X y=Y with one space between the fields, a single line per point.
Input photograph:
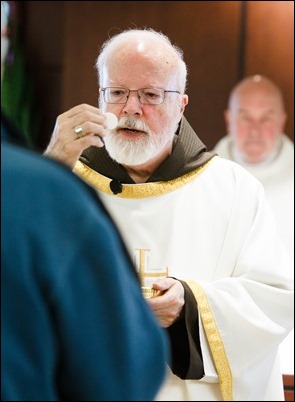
x=139 y=151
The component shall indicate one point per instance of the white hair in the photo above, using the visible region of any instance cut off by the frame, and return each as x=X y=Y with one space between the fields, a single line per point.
x=111 y=43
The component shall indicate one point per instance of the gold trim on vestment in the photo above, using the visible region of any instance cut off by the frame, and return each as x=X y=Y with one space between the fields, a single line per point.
x=144 y=190
x=214 y=341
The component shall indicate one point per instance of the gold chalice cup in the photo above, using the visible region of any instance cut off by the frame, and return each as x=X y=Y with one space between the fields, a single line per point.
x=148 y=292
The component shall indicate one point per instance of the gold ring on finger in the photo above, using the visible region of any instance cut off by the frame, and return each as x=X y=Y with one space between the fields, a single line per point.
x=78 y=130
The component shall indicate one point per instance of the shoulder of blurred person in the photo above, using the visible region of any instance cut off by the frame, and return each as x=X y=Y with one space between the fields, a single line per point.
x=74 y=322
x=68 y=290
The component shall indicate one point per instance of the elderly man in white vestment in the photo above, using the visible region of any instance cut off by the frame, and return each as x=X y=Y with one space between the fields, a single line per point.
x=255 y=121
x=198 y=226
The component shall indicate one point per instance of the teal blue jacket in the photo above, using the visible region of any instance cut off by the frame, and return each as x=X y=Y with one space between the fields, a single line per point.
x=74 y=323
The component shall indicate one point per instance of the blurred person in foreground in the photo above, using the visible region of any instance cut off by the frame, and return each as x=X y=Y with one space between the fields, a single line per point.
x=255 y=121
x=199 y=227
x=74 y=324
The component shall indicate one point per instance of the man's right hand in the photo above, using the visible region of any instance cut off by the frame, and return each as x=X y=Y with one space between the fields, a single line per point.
x=66 y=145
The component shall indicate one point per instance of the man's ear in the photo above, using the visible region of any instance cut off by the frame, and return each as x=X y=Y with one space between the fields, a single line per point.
x=283 y=121
x=227 y=116
x=183 y=104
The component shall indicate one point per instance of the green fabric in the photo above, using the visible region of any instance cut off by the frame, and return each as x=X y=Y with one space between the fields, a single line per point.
x=17 y=96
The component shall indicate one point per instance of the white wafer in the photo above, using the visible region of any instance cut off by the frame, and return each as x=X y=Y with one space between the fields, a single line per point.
x=111 y=120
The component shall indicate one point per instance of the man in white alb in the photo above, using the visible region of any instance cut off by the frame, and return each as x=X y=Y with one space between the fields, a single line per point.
x=199 y=220
x=255 y=120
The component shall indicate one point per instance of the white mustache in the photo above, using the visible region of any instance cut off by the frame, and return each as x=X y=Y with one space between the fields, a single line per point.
x=132 y=123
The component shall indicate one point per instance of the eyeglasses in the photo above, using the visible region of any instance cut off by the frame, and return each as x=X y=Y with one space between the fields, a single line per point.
x=146 y=96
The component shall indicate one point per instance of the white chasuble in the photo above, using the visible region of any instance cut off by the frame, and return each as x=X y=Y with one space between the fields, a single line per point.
x=213 y=228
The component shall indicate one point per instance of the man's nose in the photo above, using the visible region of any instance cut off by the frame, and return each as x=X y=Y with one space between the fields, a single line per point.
x=132 y=105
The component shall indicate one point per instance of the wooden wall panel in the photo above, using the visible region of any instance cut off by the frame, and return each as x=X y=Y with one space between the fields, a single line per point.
x=288 y=381
x=43 y=35
x=222 y=42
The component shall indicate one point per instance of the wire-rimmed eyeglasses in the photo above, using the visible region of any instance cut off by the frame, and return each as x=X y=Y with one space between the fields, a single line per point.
x=146 y=96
